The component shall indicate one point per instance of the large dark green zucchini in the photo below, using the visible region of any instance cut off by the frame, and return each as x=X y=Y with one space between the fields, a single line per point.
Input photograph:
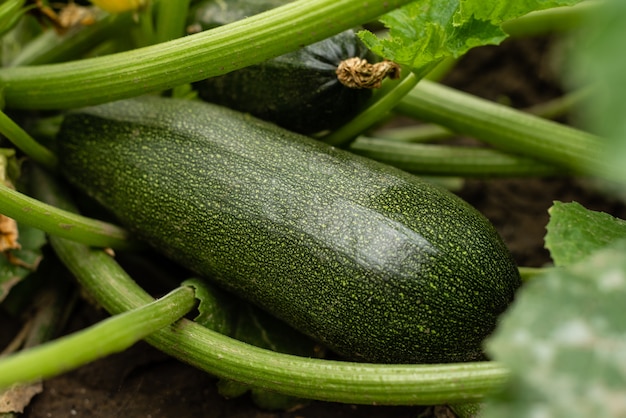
x=369 y=260
x=300 y=90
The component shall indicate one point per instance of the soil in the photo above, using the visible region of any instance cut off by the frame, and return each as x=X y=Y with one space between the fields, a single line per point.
x=142 y=382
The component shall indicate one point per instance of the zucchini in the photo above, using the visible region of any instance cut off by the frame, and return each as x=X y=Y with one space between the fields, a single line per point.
x=300 y=90
x=372 y=262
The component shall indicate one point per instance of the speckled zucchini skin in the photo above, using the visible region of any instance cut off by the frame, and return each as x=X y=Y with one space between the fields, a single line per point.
x=369 y=260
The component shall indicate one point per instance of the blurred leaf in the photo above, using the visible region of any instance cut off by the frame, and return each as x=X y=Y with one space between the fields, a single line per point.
x=564 y=341
x=599 y=60
x=575 y=232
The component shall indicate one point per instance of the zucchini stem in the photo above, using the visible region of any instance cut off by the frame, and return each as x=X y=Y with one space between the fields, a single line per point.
x=62 y=223
x=444 y=160
x=505 y=128
x=106 y=337
x=22 y=140
x=372 y=114
x=187 y=59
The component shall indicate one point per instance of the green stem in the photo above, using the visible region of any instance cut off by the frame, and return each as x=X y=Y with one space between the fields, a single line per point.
x=442 y=160
x=187 y=59
x=297 y=376
x=374 y=113
x=557 y=19
x=49 y=47
x=529 y=273
x=144 y=33
x=107 y=337
x=22 y=140
x=61 y=223
x=415 y=133
x=10 y=12
x=171 y=20
x=505 y=128
x=551 y=109
x=560 y=106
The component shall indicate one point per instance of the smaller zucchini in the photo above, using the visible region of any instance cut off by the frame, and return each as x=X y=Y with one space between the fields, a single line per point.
x=300 y=90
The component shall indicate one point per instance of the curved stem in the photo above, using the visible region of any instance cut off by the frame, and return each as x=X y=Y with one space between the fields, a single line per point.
x=375 y=112
x=191 y=58
x=505 y=128
x=297 y=376
x=61 y=223
x=22 y=140
x=445 y=160
x=107 y=337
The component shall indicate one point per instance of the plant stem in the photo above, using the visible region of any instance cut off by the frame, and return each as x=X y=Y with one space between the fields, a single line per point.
x=22 y=140
x=49 y=47
x=442 y=160
x=557 y=19
x=107 y=337
x=505 y=128
x=171 y=19
x=529 y=273
x=62 y=223
x=374 y=113
x=187 y=59
x=414 y=133
x=297 y=376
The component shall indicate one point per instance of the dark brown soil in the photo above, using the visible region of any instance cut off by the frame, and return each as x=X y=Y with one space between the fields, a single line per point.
x=142 y=382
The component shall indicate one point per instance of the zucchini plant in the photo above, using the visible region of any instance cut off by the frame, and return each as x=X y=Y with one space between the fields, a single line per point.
x=314 y=217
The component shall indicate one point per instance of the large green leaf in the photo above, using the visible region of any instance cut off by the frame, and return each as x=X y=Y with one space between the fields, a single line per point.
x=426 y=31
x=564 y=340
x=575 y=232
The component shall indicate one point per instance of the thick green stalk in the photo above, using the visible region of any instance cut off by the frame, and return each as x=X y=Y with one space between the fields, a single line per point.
x=107 y=337
x=505 y=128
x=61 y=223
x=309 y=378
x=557 y=19
x=442 y=160
x=191 y=58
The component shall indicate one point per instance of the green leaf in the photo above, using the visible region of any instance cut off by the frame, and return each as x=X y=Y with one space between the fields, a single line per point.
x=427 y=31
x=563 y=340
x=575 y=232
x=216 y=308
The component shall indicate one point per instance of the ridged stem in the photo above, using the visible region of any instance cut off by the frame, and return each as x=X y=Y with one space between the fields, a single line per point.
x=191 y=58
x=442 y=160
x=505 y=128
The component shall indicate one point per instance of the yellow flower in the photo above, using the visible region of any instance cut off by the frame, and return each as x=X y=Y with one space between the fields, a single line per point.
x=119 y=6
